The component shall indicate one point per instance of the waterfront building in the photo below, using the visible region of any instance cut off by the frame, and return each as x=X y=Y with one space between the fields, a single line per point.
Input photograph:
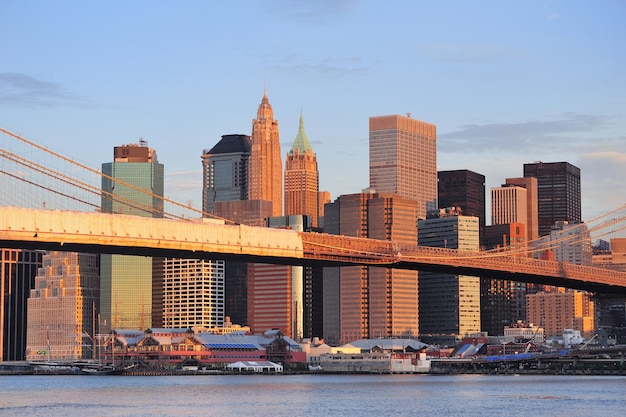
x=62 y=308
x=532 y=216
x=361 y=302
x=18 y=268
x=449 y=305
x=522 y=332
x=403 y=159
x=464 y=189
x=562 y=309
x=193 y=292
x=558 y=193
x=265 y=169
x=132 y=184
x=302 y=178
x=225 y=171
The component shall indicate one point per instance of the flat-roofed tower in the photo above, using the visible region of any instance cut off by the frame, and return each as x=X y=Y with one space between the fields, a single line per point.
x=403 y=159
x=265 y=170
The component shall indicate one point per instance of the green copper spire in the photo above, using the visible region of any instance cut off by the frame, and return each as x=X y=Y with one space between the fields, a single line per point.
x=301 y=143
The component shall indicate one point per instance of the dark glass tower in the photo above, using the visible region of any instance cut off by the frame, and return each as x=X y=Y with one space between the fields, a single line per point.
x=225 y=171
x=465 y=189
x=558 y=193
x=18 y=269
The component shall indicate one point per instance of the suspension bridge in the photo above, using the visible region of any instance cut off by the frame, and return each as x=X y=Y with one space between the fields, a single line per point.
x=51 y=202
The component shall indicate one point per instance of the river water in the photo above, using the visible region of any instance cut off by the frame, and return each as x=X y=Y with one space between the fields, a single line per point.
x=313 y=395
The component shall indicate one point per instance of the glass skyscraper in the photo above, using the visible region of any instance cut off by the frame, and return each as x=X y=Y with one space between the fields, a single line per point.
x=132 y=184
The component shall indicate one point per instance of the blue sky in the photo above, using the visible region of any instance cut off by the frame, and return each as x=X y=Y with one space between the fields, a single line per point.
x=506 y=83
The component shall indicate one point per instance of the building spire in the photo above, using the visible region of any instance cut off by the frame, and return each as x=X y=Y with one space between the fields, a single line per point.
x=301 y=143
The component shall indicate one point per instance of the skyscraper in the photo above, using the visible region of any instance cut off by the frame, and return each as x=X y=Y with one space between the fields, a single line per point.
x=403 y=159
x=132 y=184
x=464 y=189
x=302 y=178
x=449 y=305
x=18 y=269
x=225 y=171
x=509 y=205
x=265 y=169
x=558 y=193
x=532 y=217
x=62 y=307
x=193 y=293
x=361 y=302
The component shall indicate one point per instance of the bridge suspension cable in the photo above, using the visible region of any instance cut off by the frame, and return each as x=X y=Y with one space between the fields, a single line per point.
x=41 y=180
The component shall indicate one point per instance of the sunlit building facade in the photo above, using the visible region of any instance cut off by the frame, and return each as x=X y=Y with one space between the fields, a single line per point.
x=265 y=169
x=302 y=178
x=132 y=184
x=363 y=302
x=193 y=293
x=403 y=159
x=62 y=319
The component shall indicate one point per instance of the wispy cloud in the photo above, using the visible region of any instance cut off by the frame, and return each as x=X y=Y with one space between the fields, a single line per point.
x=26 y=91
x=522 y=136
x=552 y=17
x=313 y=12
x=328 y=67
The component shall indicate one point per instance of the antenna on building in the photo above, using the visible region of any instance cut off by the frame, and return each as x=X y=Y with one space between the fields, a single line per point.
x=408 y=114
x=143 y=142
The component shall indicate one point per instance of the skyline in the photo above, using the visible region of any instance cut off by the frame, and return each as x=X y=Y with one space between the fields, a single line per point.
x=505 y=84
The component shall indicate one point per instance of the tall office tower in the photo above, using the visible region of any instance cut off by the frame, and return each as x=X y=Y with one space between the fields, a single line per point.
x=250 y=213
x=18 y=269
x=558 y=193
x=502 y=302
x=225 y=171
x=361 y=302
x=302 y=178
x=403 y=159
x=193 y=293
x=509 y=205
x=464 y=189
x=132 y=184
x=225 y=186
x=265 y=169
x=530 y=184
x=449 y=305
x=557 y=311
x=276 y=293
x=62 y=321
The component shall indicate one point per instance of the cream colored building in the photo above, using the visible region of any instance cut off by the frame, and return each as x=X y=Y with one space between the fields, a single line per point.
x=61 y=316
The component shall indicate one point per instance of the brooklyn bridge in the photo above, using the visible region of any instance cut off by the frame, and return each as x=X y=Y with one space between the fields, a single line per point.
x=68 y=219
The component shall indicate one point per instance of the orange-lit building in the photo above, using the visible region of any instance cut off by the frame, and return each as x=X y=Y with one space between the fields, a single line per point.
x=265 y=167
x=302 y=178
x=403 y=159
x=559 y=310
x=362 y=302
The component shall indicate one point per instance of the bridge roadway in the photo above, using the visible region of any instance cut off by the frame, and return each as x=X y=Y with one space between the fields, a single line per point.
x=210 y=239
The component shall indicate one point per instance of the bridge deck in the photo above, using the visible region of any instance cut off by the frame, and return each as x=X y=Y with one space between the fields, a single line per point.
x=106 y=233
